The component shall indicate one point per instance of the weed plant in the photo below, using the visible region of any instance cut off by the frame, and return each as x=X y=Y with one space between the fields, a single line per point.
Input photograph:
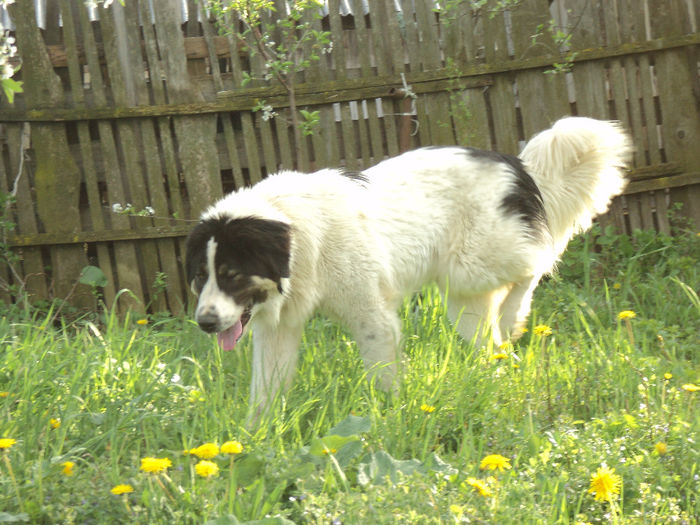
x=587 y=388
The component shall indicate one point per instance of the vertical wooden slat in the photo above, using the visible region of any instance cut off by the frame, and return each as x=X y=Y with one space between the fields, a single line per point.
x=313 y=73
x=145 y=170
x=380 y=50
x=162 y=126
x=536 y=108
x=434 y=119
x=676 y=70
x=249 y=135
x=6 y=277
x=646 y=72
x=456 y=24
x=429 y=45
x=631 y=24
x=349 y=143
x=661 y=211
x=225 y=120
x=229 y=133
x=328 y=135
x=125 y=254
x=471 y=119
x=56 y=175
x=386 y=63
x=32 y=267
x=375 y=132
x=389 y=24
x=338 y=51
x=362 y=36
x=501 y=94
x=90 y=178
x=362 y=122
x=269 y=159
x=285 y=144
x=409 y=31
x=195 y=135
x=589 y=77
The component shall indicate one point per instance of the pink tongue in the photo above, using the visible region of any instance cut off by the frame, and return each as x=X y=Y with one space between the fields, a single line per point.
x=229 y=337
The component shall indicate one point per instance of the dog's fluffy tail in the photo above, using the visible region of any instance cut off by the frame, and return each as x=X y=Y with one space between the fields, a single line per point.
x=578 y=166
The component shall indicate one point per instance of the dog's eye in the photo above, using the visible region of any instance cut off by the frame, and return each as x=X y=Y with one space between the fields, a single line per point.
x=227 y=273
x=200 y=277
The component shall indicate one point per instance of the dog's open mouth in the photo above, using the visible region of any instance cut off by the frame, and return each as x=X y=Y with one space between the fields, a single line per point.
x=229 y=337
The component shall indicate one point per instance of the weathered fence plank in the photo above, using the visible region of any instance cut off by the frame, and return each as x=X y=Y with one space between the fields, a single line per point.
x=56 y=175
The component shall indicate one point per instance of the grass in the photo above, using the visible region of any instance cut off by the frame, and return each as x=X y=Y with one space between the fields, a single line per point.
x=597 y=391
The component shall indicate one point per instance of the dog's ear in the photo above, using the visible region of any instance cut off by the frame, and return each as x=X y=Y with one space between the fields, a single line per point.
x=196 y=249
x=259 y=246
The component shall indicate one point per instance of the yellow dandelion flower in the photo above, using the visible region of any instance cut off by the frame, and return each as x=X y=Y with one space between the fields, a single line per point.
x=690 y=387
x=617 y=286
x=68 y=467
x=6 y=443
x=206 y=451
x=142 y=322
x=4 y=394
x=206 y=469
x=55 y=423
x=122 y=489
x=605 y=484
x=495 y=461
x=480 y=486
x=507 y=345
x=626 y=314
x=231 y=447
x=661 y=448
x=668 y=375
x=428 y=409
x=542 y=330
x=155 y=465
x=499 y=356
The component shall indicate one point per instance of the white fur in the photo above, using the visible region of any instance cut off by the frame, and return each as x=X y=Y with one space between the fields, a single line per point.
x=430 y=215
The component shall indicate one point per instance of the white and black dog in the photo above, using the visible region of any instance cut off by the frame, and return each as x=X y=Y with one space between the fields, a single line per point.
x=351 y=246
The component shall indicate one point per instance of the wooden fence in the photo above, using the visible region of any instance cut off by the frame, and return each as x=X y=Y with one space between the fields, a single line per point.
x=136 y=106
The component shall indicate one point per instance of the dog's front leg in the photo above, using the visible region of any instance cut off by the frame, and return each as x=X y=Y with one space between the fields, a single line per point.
x=377 y=332
x=275 y=352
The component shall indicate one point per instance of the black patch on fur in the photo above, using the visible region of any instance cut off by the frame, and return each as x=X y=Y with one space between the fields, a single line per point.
x=246 y=246
x=356 y=176
x=196 y=255
x=524 y=198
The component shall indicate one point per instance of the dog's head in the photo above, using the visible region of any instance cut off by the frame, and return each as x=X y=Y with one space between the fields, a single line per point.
x=234 y=265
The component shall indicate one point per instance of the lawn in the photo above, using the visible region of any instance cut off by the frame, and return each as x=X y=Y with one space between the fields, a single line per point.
x=591 y=417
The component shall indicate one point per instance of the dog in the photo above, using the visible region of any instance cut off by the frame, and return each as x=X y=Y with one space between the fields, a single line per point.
x=482 y=225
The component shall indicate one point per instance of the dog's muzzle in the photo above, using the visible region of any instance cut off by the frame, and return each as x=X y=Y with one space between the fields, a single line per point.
x=208 y=323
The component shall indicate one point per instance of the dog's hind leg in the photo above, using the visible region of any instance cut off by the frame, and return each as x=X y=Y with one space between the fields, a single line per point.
x=476 y=316
x=275 y=354
x=516 y=308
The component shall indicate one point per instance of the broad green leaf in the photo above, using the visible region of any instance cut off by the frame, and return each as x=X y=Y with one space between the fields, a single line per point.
x=92 y=276
x=330 y=444
x=380 y=466
x=352 y=425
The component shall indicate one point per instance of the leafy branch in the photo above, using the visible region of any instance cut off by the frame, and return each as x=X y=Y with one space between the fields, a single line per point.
x=300 y=44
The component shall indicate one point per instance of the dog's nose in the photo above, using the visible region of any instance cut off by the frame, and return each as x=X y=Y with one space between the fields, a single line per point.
x=208 y=323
